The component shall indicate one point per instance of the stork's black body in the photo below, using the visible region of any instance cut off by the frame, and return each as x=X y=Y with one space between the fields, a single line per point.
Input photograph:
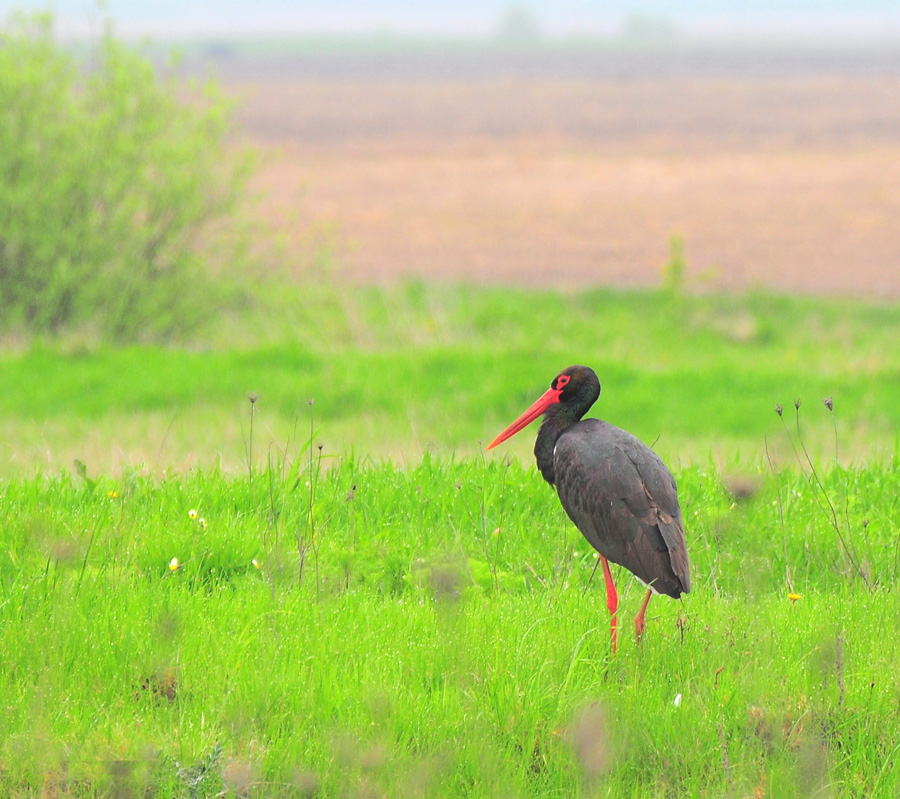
x=615 y=489
x=622 y=498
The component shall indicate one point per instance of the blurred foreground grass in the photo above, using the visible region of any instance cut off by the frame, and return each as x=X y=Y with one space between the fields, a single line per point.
x=434 y=631
x=397 y=371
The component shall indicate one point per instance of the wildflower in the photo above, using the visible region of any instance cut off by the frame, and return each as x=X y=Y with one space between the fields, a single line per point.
x=173 y=564
x=794 y=597
x=828 y=402
x=112 y=494
x=201 y=523
x=192 y=513
x=677 y=701
x=256 y=563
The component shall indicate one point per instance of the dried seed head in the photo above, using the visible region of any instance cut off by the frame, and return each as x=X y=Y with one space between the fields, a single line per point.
x=828 y=403
x=779 y=409
x=238 y=777
x=590 y=738
x=253 y=397
x=447 y=581
x=796 y=404
x=307 y=783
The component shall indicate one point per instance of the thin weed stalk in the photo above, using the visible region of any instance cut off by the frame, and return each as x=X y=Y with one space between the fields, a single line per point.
x=828 y=402
x=820 y=494
x=252 y=397
x=723 y=746
x=787 y=566
x=308 y=541
x=492 y=558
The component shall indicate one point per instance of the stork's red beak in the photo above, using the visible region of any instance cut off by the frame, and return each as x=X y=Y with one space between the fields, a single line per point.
x=550 y=396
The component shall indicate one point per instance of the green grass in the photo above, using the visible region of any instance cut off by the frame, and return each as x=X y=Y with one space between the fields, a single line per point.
x=434 y=631
x=399 y=371
x=378 y=607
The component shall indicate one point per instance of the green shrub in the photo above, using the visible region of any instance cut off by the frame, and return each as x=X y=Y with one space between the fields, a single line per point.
x=112 y=186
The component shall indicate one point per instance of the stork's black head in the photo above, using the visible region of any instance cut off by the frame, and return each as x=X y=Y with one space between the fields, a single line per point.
x=570 y=395
x=579 y=388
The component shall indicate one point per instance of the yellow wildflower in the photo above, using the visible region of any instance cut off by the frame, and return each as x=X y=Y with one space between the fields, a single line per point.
x=112 y=494
x=794 y=597
x=192 y=513
x=202 y=523
x=257 y=564
x=173 y=564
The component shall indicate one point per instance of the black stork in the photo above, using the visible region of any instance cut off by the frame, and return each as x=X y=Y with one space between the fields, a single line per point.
x=614 y=488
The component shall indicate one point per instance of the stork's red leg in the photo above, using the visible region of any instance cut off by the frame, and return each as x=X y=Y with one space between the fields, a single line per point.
x=612 y=600
x=639 y=619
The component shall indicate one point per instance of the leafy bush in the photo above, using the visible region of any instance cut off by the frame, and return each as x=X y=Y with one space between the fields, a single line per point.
x=112 y=186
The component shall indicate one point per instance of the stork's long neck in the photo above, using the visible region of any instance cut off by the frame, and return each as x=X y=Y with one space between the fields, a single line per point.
x=543 y=450
x=560 y=416
x=557 y=420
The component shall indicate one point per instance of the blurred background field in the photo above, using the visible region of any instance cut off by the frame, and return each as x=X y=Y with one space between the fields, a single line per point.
x=429 y=227
x=574 y=168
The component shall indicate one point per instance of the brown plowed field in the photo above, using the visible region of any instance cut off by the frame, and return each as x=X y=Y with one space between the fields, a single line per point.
x=788 y=179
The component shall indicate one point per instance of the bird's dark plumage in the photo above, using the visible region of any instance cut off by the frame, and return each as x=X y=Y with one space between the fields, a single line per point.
x=615 y=489
x=622 y=497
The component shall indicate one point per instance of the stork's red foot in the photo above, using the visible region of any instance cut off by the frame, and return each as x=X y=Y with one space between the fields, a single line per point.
x=639 y=619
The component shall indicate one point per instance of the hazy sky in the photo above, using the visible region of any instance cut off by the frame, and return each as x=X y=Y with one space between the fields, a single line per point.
x=699 y=18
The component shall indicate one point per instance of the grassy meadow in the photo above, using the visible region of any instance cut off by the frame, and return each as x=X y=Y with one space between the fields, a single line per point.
x=350 y=598
x=403 y=370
